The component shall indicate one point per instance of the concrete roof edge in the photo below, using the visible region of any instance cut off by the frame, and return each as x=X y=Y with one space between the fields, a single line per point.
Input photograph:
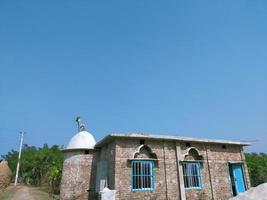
x=169 y=137
x=104 y=140
x=77 y=149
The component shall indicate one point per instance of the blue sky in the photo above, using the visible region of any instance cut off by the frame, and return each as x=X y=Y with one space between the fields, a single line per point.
x=191 y=68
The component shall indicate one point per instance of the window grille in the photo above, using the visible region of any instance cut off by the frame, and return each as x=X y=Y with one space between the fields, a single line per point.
x=142 y=175
x=192 y=175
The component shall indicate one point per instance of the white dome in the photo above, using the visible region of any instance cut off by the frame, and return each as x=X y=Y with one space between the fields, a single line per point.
x=82 y=140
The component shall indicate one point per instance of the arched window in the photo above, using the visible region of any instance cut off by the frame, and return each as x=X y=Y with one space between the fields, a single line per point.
x=192 y=169
x=142 y=169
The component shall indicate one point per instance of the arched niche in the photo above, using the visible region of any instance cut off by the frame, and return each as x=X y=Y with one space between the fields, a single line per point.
x=144 y=152
x=192 y=154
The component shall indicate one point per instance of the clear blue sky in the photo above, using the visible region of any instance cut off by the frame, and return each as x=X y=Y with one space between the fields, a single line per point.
x=192 y=68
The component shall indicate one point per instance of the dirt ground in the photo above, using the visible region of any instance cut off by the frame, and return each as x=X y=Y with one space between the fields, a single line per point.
x=24 y=193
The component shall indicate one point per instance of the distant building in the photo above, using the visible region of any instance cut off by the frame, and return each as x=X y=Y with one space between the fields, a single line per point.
x=140 y=166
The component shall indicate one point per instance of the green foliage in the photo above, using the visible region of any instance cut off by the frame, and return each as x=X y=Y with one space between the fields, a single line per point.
x=12 y=158
x=39 y=166
x=257 y=166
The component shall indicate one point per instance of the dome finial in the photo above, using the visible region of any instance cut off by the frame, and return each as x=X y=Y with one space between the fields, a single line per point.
x=81 y=126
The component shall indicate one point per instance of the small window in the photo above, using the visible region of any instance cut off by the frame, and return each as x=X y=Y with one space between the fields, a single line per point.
x=192 y=175
x=142 y=176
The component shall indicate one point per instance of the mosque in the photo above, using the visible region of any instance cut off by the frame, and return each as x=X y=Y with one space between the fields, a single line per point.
x=158 y=167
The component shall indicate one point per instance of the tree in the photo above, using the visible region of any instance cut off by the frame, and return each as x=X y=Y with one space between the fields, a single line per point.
x=257 y=166
x=39 y=166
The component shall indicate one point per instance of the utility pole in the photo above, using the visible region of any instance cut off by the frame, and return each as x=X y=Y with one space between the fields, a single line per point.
x=20 y=148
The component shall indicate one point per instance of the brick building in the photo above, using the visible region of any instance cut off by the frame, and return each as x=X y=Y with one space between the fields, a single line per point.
x=140 y=166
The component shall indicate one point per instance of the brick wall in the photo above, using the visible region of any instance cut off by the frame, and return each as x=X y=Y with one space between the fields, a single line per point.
x=215 y=175
x=214 y=170
x=166 y=177
x=78 y=172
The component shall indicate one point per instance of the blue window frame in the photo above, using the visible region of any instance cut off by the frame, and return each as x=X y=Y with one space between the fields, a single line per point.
x=142 y=173
x=192 y=175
